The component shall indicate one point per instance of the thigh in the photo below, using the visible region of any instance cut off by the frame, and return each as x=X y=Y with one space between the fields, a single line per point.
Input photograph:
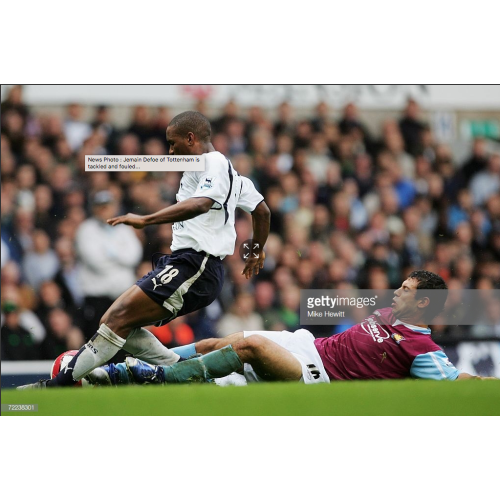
x=300 y=345
x=268 y=360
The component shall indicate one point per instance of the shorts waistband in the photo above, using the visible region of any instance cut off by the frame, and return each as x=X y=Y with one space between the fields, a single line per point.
x=192 y=250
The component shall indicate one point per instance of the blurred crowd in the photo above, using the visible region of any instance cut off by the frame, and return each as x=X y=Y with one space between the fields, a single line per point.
x=350 y=208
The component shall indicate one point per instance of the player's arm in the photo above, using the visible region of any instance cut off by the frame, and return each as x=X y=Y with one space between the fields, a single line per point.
x=184 y=210
x=261 y=220
x=465 y=376
x=436 y=366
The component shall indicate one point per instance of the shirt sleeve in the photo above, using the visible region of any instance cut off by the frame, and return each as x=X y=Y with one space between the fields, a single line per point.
x=433 y=365
x=249 y=196
x=214 y=183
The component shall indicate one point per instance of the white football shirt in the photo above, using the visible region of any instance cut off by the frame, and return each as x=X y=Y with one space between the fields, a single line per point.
x=214 y=231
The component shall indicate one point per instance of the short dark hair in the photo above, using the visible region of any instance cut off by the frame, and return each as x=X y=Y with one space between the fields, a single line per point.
x=192 y=121
x=431 y=281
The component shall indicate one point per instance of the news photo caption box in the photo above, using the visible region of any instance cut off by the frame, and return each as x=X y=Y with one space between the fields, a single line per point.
x=145 y=163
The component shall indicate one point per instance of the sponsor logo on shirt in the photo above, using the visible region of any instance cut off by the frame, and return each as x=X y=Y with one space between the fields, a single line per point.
x=370 y=326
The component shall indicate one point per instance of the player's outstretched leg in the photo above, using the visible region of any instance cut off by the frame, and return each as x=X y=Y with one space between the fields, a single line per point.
x=209 y=345
x=132 y=310
x=100 y=348
x=200 y=369
x=268 y=359
x=142 y=344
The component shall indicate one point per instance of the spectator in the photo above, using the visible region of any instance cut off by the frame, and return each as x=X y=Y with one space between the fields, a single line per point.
x=13 y=129
x=237 y=142
x=50 y=298
x=14 y=102
x=459 y=211
x=321 y=117
x=103 y=123
x=62 y=335
x=26 y=181
x=319 y=158
x=412 y=127
x=40 y=263
x=350 y=124
x=486 y=184
x=477 y=162
x=22 y=303
x=76 y=130
x=285 y=123
x=230 y=113
x=17 y=343
x=68 y=276
x=140 y=126
x=160 y=124
x=289 y=312
x=350 y=120
x=109 y=255
x=242 y=316
x=394 y=144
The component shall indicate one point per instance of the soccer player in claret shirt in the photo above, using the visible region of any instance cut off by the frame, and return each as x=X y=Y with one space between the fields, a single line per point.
x=394 y=342
x=192 y=276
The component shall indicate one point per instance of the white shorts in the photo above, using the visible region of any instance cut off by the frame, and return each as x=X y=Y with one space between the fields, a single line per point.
x=299 y=343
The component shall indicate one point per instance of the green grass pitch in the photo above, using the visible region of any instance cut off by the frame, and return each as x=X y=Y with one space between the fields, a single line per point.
x=394 y=397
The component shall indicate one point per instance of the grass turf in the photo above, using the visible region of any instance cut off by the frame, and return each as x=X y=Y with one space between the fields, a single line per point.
x=394 y=397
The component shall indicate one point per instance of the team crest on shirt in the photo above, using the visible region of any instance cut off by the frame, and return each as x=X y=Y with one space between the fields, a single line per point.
x=207 y=184
x=397 y=337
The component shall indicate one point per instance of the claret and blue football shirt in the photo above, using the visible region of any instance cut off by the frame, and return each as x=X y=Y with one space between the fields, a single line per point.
x=382 y=347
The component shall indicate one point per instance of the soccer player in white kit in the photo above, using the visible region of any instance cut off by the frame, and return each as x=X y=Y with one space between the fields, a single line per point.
x=192 y=276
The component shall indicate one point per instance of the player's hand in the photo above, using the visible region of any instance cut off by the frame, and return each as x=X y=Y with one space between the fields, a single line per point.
x=133 y=220
x=254 y=265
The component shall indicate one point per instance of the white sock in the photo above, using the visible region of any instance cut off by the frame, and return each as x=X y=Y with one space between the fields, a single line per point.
x=146 y=347
x=97 y=351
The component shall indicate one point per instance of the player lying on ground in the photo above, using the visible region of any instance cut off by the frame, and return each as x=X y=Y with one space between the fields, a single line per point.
x=393 y=342
x=192 y=276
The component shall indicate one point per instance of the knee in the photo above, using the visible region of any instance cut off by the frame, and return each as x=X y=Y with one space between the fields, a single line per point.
x=250 y=347
x=206 y=345
x=117 y=316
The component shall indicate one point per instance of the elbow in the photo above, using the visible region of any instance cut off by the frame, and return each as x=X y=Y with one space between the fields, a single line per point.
x=202 y=205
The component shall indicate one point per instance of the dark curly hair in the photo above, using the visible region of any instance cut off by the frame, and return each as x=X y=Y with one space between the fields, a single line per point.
x=431 y=281
x=192 y=121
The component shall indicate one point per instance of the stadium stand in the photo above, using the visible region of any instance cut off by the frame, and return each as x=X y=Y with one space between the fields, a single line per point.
x=350 y=207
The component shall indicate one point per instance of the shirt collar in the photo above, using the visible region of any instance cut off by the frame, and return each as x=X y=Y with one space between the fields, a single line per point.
x=418 y=329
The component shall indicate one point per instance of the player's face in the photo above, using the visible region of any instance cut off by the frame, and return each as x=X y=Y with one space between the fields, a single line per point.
x=405 y=305
x=178 y=145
